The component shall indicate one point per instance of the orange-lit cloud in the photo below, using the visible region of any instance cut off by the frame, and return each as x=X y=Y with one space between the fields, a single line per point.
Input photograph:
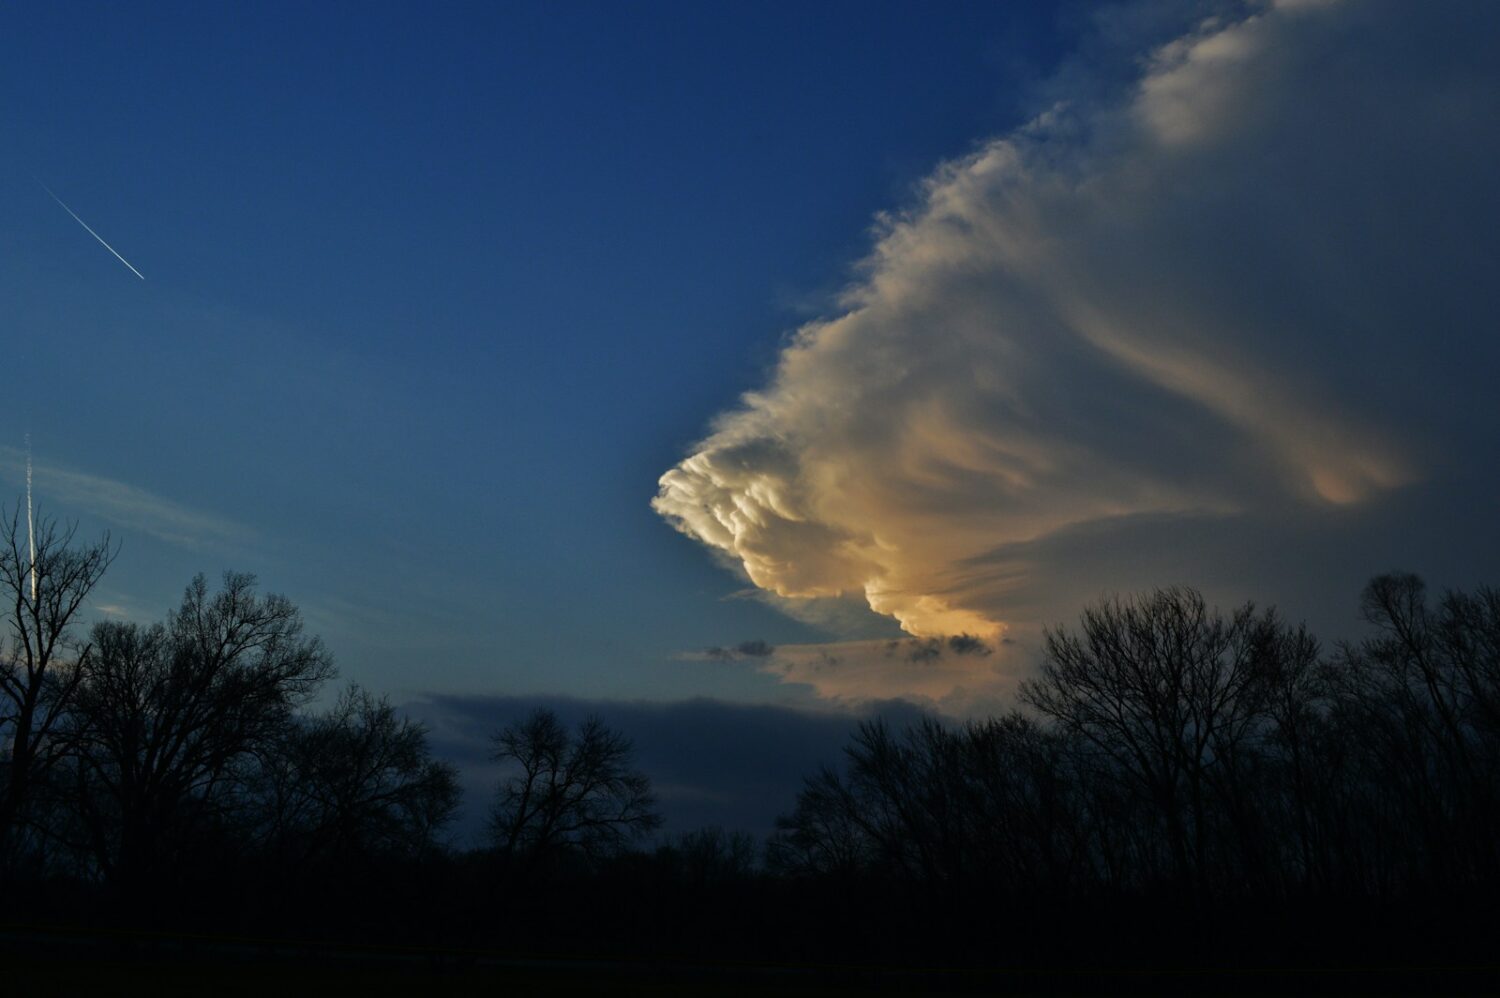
x=1188 y=301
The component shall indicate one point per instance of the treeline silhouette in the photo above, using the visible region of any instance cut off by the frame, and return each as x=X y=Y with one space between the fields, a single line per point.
x=1222 y=774
x=1178 y=784
x=1172 y=748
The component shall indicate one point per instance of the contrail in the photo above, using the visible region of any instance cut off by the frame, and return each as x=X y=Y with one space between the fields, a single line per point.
x=30 y=522
x=91 y=232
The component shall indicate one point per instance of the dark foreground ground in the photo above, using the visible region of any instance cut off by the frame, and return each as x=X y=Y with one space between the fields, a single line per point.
x=45 y=961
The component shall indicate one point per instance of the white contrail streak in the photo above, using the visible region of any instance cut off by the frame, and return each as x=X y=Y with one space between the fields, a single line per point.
x=91 y=232
x=30 y=522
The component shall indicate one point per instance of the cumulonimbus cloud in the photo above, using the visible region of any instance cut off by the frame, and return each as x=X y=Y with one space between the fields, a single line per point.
x=1248 y=286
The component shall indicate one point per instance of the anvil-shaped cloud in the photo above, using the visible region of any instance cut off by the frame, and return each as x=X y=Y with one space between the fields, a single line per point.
x=1248 y=286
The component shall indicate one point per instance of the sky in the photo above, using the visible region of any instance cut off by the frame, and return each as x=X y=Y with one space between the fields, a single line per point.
x=770 y=357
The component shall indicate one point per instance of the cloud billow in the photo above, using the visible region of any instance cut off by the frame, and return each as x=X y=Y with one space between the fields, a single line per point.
x=1248 y=288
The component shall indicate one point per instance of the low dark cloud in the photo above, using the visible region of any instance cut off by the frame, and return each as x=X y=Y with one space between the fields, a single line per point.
x=923 y=651
x=745 y=649
x=931 y=649
x=711 y=762
x=967 y=644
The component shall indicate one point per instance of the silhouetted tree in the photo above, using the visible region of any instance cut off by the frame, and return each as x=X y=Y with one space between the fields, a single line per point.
x=1168 y=746
x=824 y=835
x=711 y=856
x=355 y=782
x=171 y=717
x=568 y=791
x=43 y=588
x=1168 y=694
x=1174 y=746
x=979 y=807
x=1022 y=810
x=1301 y=766
x=1423 y=692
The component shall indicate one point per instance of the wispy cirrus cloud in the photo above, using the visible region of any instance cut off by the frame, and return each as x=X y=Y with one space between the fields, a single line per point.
x=124 y=505
x=1238 y=299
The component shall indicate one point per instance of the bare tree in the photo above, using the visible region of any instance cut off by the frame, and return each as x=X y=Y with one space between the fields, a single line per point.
x=569 y=791
x=825 y=834
x=986 y=804
x=45 y=581
x=711 y=857
x=170 y=717
x=1424 y=690
x=355 y=781
x=1168 y=693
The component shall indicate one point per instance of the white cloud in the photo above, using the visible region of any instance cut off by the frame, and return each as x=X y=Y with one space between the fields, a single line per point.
x=1246 y=290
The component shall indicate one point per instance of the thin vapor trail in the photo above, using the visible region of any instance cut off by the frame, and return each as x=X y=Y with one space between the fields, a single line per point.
x=30 y=521
x=91 y=232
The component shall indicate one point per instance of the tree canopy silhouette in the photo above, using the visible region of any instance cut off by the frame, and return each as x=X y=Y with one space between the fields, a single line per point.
x=45 y=580
x=171 y=717
x=353 y=783
x=569 y=791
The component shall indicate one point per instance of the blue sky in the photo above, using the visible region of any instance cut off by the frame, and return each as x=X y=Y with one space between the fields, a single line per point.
x=435 y=296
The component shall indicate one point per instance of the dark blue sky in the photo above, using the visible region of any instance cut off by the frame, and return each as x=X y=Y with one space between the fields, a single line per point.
x=1156 y=292
x=435 y=294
